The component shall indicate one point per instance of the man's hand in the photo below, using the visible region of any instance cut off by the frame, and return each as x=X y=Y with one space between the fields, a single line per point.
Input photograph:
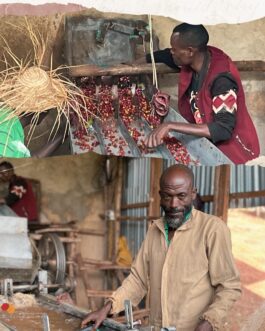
x=97 y=316
x=2 y=201
x=204 y=326
x=156 y=137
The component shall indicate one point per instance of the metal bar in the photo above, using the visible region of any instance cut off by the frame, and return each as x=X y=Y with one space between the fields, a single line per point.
x=46 y=322
x=7 y=327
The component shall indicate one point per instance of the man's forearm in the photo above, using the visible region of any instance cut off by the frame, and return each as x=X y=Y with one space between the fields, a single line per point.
x=217 y=312
x=161 y=132
x=132 y=288
x=200 y=130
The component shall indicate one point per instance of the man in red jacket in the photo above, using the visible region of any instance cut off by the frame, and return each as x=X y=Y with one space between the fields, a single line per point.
x=20 y=197
x=210 y=95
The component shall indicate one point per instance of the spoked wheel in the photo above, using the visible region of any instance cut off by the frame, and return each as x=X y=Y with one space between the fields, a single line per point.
x=53 y=258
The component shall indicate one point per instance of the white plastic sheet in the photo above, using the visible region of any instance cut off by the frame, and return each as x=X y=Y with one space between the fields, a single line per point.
x=192 y=11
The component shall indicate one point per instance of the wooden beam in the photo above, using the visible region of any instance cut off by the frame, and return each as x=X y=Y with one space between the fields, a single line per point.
x=84 y=278
x=51 y=301
x=118 y=70
x=146 y=68
x=56 y=229
x=92 y=232
x=96 y=262
x=237 y=195
x=155 y=173
x=246 y=195
x=117 y=207
x=207 y=198
x=250 y=65
x=98 y=293
x=67 y=308
x=135 y=205
x=140 y=218
x=221 y=191
x=36 y=236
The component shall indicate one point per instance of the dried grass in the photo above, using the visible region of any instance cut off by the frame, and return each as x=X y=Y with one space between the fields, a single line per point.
x=27 y=88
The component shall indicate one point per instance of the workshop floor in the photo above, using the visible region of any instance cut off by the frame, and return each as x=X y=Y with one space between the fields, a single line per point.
x=30 y=319
x=248 y=239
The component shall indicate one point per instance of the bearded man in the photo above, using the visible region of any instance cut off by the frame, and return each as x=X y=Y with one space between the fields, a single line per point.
x=185 y=262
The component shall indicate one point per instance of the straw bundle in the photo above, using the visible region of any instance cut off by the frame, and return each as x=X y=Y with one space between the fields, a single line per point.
x=34 y=91
x=27 y=88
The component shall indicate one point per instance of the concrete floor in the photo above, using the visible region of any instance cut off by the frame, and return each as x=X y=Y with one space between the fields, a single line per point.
x=248 y=239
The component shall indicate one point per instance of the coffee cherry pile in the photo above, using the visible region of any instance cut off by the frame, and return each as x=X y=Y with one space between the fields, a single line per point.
x=178 y=151
x=90 y=100
x=85 y=140
x=130 y=111
x=127 y=109
x=105 y=104
x=138 y=136
x=129 y=115
x=124 y=82
x=114 y=142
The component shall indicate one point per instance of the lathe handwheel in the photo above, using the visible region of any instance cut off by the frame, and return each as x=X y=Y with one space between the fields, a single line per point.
x=53 y=259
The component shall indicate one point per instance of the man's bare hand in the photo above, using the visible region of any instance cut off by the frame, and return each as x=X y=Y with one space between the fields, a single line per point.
x=97 y=316
x=2 y=201
x=156 y=137
x=204 y=326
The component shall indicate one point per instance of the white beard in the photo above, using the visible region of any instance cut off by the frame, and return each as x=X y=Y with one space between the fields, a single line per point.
x=174 y=223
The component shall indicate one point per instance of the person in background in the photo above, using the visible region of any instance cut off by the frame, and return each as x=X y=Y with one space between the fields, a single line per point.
x=185 y=264
x=20 y=197
x=210 y=95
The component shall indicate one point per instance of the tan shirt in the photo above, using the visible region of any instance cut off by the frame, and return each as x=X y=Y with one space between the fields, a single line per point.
x=192 y=278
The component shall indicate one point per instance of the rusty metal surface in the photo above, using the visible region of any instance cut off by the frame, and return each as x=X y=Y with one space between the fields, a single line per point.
x=121 y=145
x=79 y=146
x=101 y=41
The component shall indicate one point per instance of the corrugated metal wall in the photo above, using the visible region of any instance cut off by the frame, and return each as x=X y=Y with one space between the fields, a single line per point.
x=136 y=189
x=137 y=186
x=245 y=179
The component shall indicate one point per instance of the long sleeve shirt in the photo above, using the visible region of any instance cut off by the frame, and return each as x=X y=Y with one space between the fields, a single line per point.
x=194 y=278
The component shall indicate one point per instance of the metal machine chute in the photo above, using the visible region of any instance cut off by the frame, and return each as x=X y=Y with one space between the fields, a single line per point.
x=25 y=266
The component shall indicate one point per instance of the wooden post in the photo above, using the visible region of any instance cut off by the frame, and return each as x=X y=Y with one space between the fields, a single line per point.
x=155 y=173
x=221 y=191
x=117 y=207
x=109 y=208
x=154 y=199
